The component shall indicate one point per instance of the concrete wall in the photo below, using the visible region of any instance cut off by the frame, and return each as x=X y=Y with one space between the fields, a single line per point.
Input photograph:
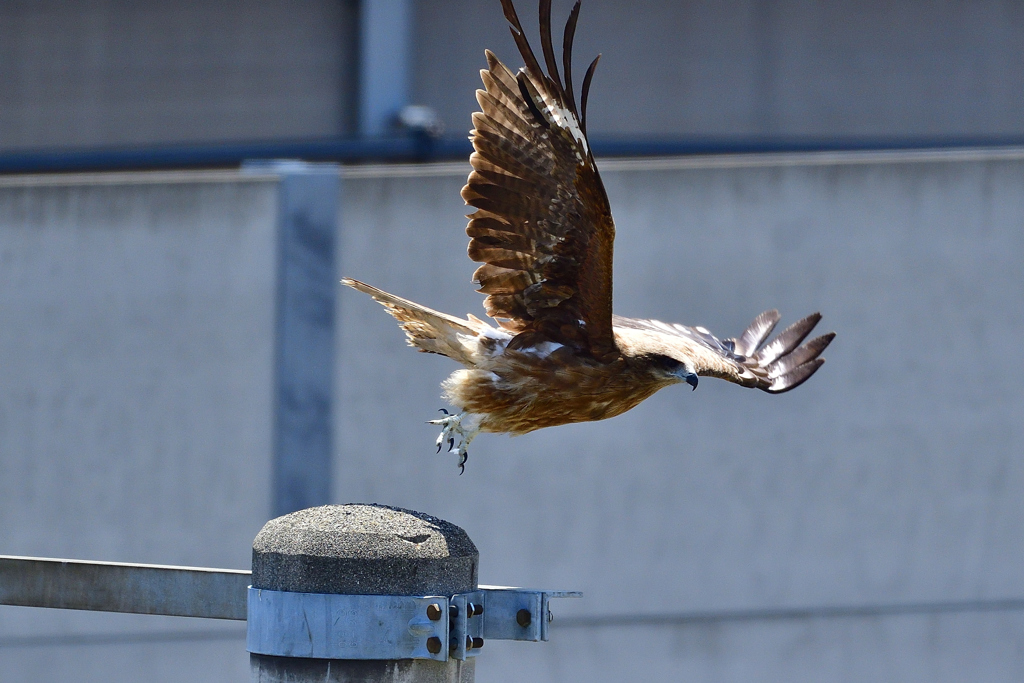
x=120 y=72
x=136 y=328
x=136 y=338
x=112 y=72
x=755 y=67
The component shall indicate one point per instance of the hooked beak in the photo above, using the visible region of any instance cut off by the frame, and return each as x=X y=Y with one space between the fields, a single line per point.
x=691 y=379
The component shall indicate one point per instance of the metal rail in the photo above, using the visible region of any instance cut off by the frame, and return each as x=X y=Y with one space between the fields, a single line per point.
x=222 y=594
x=124 y=587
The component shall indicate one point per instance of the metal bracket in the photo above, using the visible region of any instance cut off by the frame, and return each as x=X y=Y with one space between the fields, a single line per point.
x=329 y=626
x=519 y=613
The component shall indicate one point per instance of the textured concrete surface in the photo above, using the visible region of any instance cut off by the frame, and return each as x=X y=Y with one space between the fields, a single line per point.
x=284 y=670
x=364 y=550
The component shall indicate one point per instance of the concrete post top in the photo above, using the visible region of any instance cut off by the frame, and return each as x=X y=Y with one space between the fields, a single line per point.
x=363 y=549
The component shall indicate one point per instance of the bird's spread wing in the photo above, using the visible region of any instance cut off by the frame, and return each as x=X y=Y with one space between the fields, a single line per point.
x=543 y=229
x=776 y=366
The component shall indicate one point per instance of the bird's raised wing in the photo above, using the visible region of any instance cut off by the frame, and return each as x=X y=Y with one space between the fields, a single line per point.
x=776 y=366
x=543 y=229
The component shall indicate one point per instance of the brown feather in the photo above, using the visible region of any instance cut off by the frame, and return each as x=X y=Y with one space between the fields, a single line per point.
x=498 y=120
x=520 y=37
x=586 y=92
x=503 y=258
x=567 y=37
x=548 y=48
x=533 y=179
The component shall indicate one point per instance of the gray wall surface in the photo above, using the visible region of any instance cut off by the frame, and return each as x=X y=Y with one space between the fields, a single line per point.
x=130 y=72
x=136 y=344
x=754 y=67
x=136 y=338
x=112 y=72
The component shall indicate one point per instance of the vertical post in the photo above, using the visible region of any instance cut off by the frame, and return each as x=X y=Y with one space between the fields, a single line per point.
x=304 y=347
x=384 y=34
x=362 y=550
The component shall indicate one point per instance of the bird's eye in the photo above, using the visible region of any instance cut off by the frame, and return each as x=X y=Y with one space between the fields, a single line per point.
x=667 y=363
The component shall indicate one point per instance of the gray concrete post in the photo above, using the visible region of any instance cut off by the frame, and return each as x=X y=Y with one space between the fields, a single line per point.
x=362 y=550
x=304 y=355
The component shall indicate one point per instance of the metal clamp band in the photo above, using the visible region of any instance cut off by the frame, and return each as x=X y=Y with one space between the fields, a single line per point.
x=331 y=626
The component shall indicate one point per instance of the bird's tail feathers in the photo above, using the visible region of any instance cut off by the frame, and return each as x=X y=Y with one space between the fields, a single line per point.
x=425 y=329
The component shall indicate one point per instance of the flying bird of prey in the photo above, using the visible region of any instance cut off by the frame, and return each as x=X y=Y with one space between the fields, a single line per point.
x=543 y=231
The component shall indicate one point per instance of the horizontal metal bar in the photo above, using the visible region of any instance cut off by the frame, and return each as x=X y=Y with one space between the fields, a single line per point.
x=504 y=603
x=424 y=148
x=793 y=613
x=122 y=587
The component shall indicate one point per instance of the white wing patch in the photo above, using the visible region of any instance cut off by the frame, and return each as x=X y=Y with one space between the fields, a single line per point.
x=489 y=332
x=543 y=349
x=564 y=119
x=488 y=342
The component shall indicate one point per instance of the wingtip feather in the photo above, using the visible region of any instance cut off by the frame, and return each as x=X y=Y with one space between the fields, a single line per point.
x=585 y=92
x=800 y=355
x=795 y=377
x=788 y=339
x=758 y=330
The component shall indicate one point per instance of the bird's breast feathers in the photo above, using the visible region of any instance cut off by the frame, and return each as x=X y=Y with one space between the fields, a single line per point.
x=544 y=385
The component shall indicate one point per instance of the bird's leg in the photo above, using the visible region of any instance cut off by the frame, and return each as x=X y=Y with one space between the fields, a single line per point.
x=449 y=424
x=465 y=426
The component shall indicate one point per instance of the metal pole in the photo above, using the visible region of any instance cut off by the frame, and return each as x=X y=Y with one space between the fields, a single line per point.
x=362 y=550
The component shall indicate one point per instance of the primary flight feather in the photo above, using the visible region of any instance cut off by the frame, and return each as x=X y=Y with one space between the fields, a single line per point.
x=544 y=233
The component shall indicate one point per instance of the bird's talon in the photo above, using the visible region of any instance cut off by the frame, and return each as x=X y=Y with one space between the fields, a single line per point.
x=454 y=431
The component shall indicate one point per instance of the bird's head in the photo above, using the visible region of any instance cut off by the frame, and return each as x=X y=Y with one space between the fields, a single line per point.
x=672 y=369
x=658 y=353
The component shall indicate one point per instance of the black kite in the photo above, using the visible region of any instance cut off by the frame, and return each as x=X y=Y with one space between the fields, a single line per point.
x=543 y=231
